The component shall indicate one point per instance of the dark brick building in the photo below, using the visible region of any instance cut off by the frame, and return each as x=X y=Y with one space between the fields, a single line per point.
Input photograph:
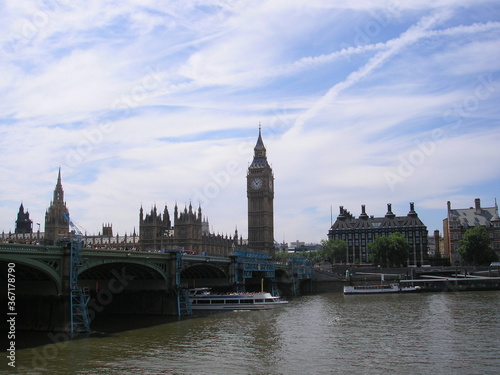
x=361 y=231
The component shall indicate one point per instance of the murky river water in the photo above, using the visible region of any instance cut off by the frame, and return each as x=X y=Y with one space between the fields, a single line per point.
x=441 y=333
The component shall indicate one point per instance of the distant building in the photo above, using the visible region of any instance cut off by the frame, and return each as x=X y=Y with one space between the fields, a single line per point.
x=298 y=246
x=157 y=232
x=435 y=250
x=106 y=239
x=361 y=231
x=23 y=222
x=188 y=232
x=433 y=244
x=56 y=224
x=458 y=220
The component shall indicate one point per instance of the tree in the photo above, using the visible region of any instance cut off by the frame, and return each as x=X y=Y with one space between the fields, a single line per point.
x=389 y=251
x=314 y=256
x=334 y=250
x=281 y=256
x=475 y=247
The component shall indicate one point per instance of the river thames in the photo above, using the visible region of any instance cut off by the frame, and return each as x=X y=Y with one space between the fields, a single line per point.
x=428 y=333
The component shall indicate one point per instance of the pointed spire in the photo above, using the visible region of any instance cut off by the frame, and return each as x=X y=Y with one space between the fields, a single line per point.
x=259 y=156
x=260 y=144
x=58 y=191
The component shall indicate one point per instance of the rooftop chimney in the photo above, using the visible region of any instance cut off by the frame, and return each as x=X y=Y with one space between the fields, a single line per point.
x=342 y=213
x=363 y=213
x=477 y=204
x=389 y=211
x=412 y=210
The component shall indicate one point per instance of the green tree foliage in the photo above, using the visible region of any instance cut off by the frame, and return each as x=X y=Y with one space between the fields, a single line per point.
x=333 y=250
x=314 y=256
x=476 y=247
x=281 y=256
x=389 y=251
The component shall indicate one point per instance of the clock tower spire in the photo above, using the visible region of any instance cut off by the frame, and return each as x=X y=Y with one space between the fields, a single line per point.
x=260 y=194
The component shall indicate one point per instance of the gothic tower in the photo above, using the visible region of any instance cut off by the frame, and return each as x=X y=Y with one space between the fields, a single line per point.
x=188 y=227
x=154 y=230
x=23 y=223
x=260 y=194
x=55 y=222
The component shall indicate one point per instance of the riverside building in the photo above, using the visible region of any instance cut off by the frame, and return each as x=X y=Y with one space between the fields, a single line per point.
x=458 y=220
x=361 y=231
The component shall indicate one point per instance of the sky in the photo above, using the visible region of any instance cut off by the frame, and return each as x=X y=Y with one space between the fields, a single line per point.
x=143 y=103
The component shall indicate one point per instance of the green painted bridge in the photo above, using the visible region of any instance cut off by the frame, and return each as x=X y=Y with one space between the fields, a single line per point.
x=129 y=282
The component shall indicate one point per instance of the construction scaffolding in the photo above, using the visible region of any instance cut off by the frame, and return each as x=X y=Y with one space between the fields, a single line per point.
x=301 y=270
x=79 y=297
x=182 y=294
x=246 y=263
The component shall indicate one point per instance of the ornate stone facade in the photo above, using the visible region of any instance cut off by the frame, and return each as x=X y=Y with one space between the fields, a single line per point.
x=359 y=232
x=260 y=195
x=189 y=232
x=56 y=224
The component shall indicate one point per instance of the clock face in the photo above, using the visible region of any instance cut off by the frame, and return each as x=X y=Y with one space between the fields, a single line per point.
x=256 y=183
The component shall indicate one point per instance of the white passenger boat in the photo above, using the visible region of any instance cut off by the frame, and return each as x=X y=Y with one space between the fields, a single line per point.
x=371 y=289
x=203 y=299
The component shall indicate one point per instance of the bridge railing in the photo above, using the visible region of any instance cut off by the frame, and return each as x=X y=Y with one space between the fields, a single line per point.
x=29 y=248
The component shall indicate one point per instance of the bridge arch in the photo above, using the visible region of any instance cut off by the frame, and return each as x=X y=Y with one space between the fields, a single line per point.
x=203 y=270
x=124 y=270
x=38 y=269
x=282 y=274
x=205 y=274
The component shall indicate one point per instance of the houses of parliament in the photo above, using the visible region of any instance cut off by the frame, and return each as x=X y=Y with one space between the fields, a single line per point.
x=186 y=229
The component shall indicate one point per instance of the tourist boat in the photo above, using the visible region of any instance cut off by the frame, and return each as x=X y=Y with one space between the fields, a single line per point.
x=204 y=299
x=371 y=289
x=411 y=288
x=387 y=288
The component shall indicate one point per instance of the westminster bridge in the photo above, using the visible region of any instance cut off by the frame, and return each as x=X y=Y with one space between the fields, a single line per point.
x=127 y=282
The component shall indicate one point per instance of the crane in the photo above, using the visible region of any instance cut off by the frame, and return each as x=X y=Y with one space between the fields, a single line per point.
x=79 y=298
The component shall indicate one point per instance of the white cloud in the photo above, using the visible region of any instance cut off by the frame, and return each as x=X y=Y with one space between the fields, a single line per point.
x=149 y=102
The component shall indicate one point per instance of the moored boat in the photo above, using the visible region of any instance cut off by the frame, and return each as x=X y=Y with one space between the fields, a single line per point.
x=386 y=288
x=371 y=289
x=204 y=299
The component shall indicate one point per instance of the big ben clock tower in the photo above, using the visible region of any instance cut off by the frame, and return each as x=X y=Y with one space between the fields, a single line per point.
x=260 y=194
